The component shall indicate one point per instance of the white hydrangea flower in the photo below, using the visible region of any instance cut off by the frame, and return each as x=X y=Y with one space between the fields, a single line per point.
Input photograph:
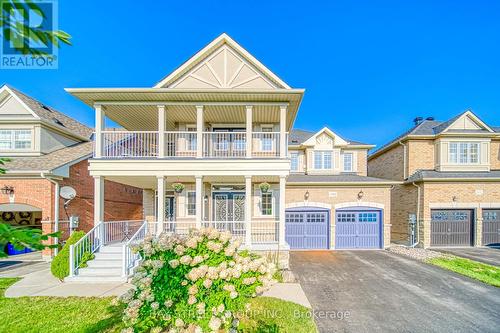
x=233 y=294
x=186 y=259
x=191 y=300
x=168 y=303
x=179 y=322
x=179 y=250
x=207 y=283
x=173 y=263
x=214 y=323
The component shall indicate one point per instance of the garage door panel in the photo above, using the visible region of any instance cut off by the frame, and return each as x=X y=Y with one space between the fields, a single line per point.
x=307 y=229
x=451 y=227
x=491 y=226
x=358 y=230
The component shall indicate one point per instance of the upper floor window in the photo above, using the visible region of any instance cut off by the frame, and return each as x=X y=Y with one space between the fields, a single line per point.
x=267 y=139
x=348 y=162
x=15 y=139
x=191 y=137
x=294 y=161
x=463 y=152
x=322 y=160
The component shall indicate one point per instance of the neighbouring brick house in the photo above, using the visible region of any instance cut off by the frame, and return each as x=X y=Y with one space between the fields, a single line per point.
x=330 y=201
x=49 y=150
x=450 y=174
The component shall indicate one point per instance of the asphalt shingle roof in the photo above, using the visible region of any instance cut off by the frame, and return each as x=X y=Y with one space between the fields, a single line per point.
x=342 y=178
x=432 y=174
x=53 y=117
x=49 y=161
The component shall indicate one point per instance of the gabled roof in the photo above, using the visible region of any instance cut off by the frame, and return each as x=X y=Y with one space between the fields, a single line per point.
x=222 y=41
x=300 y=137
x=433 y=128
x=49 y=115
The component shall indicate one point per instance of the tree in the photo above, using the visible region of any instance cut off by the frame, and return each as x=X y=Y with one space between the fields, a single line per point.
x=13 y=29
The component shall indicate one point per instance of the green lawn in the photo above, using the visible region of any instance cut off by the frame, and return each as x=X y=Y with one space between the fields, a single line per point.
x=473 y=269
x=77 y=314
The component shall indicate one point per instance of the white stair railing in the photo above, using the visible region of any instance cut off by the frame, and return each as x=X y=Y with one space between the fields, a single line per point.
x=129 y=257
x=89 y=243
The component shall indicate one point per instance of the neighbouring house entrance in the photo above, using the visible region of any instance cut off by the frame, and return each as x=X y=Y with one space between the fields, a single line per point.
x=452 y=227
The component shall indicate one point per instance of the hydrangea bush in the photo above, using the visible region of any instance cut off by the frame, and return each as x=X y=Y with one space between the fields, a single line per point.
x=197 y=283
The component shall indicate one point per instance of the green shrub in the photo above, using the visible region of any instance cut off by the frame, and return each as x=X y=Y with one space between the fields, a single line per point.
x=60 y=264
x=198 y=283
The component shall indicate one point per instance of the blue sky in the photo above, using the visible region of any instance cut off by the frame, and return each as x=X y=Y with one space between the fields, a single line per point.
x=368 y=67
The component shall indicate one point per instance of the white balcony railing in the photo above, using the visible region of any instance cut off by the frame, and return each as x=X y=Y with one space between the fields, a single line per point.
x=224 y=144
x=145 y=144
x=129 y=144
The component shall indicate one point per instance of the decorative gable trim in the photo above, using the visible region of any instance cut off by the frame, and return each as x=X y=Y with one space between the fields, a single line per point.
x=471 y=118
x=5 y=88
x=210 y=77
x=337 y=140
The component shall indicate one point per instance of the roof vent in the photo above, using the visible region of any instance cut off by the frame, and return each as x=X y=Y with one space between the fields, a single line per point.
x=58 y=122
x=418 y=120
x=295 y=141
x=45 y=107
x=429 y=118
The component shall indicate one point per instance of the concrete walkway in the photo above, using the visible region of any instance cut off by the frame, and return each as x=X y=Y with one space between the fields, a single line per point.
x=291 y=292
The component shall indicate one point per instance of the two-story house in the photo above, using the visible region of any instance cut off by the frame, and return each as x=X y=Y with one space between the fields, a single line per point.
x=203 y=144
x=49 y=150
x=330 y=201
x=450 y=174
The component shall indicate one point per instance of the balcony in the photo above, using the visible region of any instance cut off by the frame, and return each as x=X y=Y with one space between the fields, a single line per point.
x=177 y=144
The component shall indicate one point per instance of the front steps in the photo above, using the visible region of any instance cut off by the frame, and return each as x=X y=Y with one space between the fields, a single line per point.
x=106 y=267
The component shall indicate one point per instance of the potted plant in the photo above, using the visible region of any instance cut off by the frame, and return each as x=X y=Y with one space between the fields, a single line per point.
x=264 y=187
x=178 y=187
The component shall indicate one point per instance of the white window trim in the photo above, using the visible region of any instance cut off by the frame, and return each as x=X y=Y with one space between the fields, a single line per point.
x=13 y=140
x=262 y=140
x=273 y=206
x=352 y=162
x=187 y=203
x=457 y=144
x=322 y=152
x=192 y=129
x=294 y=153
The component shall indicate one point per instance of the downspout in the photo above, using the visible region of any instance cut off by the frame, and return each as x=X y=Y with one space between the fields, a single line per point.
x=404 y=159
x=417 y=239
x=56 y=208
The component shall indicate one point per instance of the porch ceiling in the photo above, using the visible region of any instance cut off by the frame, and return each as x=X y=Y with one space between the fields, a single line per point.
x=135 y=108
x=151 y=182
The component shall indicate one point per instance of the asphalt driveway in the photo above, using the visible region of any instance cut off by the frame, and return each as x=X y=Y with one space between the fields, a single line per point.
x=488 y=255
x=378 y=291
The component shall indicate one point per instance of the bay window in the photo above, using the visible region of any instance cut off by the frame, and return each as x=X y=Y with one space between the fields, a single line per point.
x=322 y=160
x=15 y=139
x=464 y=153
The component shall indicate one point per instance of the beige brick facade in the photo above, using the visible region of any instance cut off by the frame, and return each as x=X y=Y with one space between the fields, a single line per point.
x=335 y=195
x=495 y=154
x=388 y=165
x=421 y=155
x=362 y=169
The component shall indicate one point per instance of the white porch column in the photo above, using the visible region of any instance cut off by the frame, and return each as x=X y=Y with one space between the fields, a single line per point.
x=99 y=127
x=199 y=131
x=160 y=204
x=199 y=200
x=98 y=199
x=248 y=210
x=249 y=129
x=161 y=130
x=283 y=111
x=282 y=209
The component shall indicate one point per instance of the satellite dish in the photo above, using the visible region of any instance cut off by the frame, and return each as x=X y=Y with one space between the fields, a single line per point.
x=67 y=192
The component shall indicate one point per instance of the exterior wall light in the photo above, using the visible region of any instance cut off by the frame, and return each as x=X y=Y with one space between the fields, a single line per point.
x=361 y=194
x=454 y=198
x=306 y=196
x=205 y=198
x=7 y=190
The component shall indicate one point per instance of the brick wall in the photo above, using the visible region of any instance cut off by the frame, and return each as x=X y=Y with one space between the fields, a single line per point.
x=362 y=162
x=468 y=196
x=421 y=155
x=121 y=202
x=404 y=202
x=388 y=165
x=379 y=195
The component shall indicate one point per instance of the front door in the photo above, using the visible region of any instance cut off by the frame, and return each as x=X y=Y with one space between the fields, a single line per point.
x=229 y=212
x=170 y=208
